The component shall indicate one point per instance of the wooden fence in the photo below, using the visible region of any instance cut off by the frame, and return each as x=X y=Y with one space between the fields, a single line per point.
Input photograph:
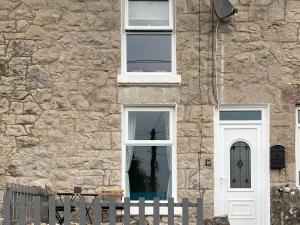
x=18 y=203
x=22 y=211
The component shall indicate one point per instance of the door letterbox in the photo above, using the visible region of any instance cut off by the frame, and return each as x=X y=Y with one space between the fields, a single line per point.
x=277 y=157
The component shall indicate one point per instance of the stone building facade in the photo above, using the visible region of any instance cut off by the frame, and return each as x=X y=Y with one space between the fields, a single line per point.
x=61 y=103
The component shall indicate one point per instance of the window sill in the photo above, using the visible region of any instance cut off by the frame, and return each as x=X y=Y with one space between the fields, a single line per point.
x=145 y=79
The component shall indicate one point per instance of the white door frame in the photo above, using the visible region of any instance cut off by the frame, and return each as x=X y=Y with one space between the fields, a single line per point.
x=297 y=147
x=264 y=184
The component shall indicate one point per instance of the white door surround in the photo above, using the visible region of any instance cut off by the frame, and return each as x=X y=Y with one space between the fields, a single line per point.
x=297 y=148
x=242 y=189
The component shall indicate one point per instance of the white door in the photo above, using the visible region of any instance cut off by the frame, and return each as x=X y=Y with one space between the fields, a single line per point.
x=240 y=173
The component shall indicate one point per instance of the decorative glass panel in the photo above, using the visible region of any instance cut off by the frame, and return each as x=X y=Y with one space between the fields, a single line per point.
x=240 y=115
x=240 y=165
x=149 y=53
x=149 y=172
x=148 y=125
x=148 y=13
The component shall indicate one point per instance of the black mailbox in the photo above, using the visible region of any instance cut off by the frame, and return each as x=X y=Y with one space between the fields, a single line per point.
x=277 y=157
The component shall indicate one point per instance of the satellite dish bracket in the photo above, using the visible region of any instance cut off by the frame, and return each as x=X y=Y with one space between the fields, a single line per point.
x=223 y=9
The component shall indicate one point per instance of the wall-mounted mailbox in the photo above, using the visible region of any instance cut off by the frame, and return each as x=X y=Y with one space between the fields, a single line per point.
x=277 y=157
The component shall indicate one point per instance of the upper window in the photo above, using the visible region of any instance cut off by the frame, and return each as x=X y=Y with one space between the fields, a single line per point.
x=149 y=53
x=149 y=153
x=148 y=14
x=149 y=43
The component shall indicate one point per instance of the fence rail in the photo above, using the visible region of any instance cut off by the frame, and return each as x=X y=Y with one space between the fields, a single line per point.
x=31 y=207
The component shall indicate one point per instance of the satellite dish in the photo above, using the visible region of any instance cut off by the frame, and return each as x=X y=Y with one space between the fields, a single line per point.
x=223 y=9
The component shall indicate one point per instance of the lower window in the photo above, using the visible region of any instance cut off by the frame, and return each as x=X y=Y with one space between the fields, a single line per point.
x=150 y=172
x=149 y=153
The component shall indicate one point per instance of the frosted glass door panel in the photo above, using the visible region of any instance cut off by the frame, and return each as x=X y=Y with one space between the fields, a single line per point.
x=240 y=165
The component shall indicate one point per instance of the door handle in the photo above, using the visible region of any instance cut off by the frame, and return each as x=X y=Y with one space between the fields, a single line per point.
x=223 y=181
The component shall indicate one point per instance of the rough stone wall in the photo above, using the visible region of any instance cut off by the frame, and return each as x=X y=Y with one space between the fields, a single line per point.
x=60 y=105
x=60 y=120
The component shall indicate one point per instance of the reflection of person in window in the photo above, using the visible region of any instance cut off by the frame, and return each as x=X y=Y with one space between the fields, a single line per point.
x=154 y=165
x=137 y=176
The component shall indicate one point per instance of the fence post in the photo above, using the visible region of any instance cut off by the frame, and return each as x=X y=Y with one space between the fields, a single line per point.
x=112 y=211
x=67 y=210
x=185 y=211
x=156 y=211
x=36 y=210
x=97 y=211
x=52 y=219
x=82 y=210
x=15 y=195
x=22 y=212
x=171 y=211
x=7 y=205
x=141 y=211
x=199 y=211
x=126 y=211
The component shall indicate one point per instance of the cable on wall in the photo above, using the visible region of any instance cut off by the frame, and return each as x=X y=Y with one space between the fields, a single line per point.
x=214 y=74
x=201 y=192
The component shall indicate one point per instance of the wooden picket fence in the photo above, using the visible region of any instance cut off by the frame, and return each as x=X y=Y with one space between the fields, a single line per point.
x=30 y=207
x=18 y=202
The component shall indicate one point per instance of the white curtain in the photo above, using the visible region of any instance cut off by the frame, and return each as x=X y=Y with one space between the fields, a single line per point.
x=169 y=152
x=169 y=157
x=166 y=119
x=129 y=149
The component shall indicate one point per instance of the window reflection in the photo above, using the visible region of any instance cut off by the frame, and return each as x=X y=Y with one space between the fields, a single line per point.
x=148 y=125
x=149 y=53
x=149 y=172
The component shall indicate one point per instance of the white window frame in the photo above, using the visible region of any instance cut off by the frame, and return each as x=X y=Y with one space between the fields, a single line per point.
x=146 y=78
x=171 y=142
x=170 y=27
x=297 y=147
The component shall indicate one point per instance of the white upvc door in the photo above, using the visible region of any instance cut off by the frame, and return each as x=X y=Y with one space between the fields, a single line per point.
x=242 y=172
x=240 y=175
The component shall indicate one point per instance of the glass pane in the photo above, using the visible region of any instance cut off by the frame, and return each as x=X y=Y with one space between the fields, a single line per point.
x=149 y=171
x=149 y=53
x=299 y=116
x=240 y=165
x=148 y=13
x=240 y=115
x=148 y=125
